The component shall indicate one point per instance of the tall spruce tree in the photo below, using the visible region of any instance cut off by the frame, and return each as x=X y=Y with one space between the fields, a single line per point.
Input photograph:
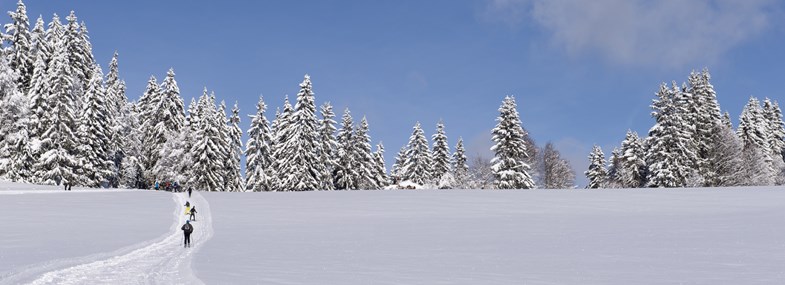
x=509 y=166
x=773 y=117
x=346 y=175
x=754 y=133
x=94 y=133
x=670 y=154
x=460 y=167
x=364 y=158
x=329 y=146
x=234 y=181
x=57 y=163
x=633 y=164
x=16 y=157
x=21 y=58
x=597 y=174
x=301 y=167
x=380 y=169
x=417 y=164
x=441 y=153
x=258 y=152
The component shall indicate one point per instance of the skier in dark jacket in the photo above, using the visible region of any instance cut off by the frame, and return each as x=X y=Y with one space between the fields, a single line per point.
x=189 y=191
x=193 y=213
x=187 y=230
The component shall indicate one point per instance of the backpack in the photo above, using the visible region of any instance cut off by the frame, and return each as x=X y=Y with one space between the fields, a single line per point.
x=188 y=228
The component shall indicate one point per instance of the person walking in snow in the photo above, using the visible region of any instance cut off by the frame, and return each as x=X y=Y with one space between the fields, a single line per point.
x=187 y=204
x=189 y=191
x=193 y=213
x=187 y=230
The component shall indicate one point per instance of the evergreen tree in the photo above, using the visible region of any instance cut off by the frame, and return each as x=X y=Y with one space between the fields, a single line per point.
x=509 y=166
x=441 y=153
x=329 y=146
x=613 y=179
x=132 y=168
x=57 y=163
x=94 y=135
x=670 y=155
x=116 y=102
x=707 y=118
x=597 y=174
x=224 y=156
x=346 y=175
x=396 y=173
x=234 y=182
x=366 y=163
x=380 y=169
x=15 y=156
x=151 y=140
x=773 y=116
x=460 y=167
x=754 y=133
x=300 y=165
x=417 y=164
x=281 y=129
x=633 y=163
x=20 y=57
x=208 y=156
x=258 y=152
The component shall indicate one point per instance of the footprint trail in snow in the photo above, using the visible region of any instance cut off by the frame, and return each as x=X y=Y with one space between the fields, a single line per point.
x=161 y=262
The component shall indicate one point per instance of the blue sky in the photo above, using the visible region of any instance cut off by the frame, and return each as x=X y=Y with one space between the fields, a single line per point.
x=583 y=72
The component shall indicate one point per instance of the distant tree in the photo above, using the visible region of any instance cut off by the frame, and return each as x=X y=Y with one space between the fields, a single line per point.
x=346 y=175
x=509 y=166
x=366 y=163
x=94 y=134
x=258 y=152
x=417 y=166
x=727 y=158
x=632 y=168
x=441 y=153
x=460 y=167
x=670 y=155
x=776 y=130
x=754 y=133
x=380 y=169
x=329 y=153
x=597 y=174
x=557 y=172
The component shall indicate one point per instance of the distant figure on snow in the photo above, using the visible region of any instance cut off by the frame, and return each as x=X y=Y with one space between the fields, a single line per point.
x=187 y=204
x=187 y=230
x=193 y=213
x=156 y=185
x=189 y=191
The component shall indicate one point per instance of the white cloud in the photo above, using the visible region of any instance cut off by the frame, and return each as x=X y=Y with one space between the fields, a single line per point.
x=672 y=33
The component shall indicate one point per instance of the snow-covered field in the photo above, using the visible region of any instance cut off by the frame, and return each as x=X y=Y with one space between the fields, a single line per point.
x=693 y=236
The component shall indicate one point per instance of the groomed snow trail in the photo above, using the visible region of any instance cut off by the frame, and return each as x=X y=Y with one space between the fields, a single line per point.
x=162 y=262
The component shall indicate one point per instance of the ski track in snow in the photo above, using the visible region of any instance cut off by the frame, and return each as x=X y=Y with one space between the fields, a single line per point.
x=162 y=262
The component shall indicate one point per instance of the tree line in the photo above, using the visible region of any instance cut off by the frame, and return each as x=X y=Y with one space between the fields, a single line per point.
x=693 y=144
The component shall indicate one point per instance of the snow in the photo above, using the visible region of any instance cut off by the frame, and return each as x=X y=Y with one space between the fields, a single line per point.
x=628 y=236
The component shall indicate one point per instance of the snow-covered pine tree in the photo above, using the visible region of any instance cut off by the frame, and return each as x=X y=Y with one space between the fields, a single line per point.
x=38 y=42
x=509 y=166
x=94 y=135
x=174 y=158
x=707 y=117
x=39 y=103
x=441 y=153
x=329 y=146
x=57 y=163
x=20 y=56
x=208 y=155
x=234 y=180
x=80 y=54
x=166 y=117
x=146 y=112
x=726 y=120
x=15 y=155
x=754 y=133
x=367 y=177
x=281 y=131
x=670 y=155
x=380 y=169
x=557 y=173
x=116 y=102
x=633 y=165
x=396 y=173
x=346 y=175
x=614 y=170
x=131 y=168
x=597 y=174
x=773 y=116
x=417 y=166
x=301 y=167
x=258 y=154
x=460 y=168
